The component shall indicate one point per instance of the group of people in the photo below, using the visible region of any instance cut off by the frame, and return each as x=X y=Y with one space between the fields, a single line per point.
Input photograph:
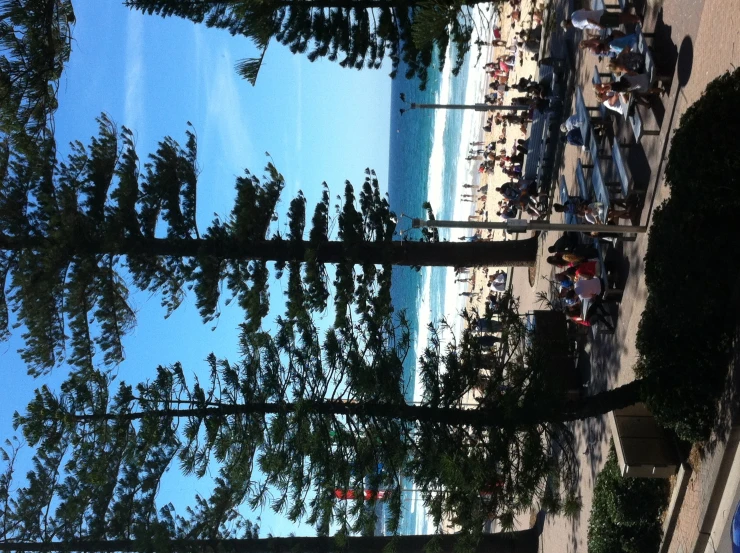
x=596 y=212
x=624 y=58
x=520 y=196
x=580 y=280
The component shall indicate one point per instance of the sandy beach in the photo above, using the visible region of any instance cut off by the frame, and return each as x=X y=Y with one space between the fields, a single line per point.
x=487 y=204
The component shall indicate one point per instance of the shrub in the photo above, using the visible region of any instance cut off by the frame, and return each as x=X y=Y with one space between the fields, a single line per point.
x=691 y=265
x=625 y=515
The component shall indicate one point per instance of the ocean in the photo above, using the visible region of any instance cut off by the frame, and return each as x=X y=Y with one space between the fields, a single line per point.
x=427 y=163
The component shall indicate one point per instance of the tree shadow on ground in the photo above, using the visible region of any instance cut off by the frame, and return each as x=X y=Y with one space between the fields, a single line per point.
x=728 y=411
x=597 y=433
x=639 y=167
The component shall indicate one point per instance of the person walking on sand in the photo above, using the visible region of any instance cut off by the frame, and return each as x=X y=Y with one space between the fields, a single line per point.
x=596 y=20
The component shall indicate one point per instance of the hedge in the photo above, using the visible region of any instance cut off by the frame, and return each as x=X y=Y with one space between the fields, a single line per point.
x=691 y=266
x=625 y=515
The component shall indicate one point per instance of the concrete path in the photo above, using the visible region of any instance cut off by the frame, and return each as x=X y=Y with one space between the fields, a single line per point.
x=696 y=41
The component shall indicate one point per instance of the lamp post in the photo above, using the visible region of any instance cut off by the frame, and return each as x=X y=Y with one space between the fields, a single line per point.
x=475 y=107
x=521 y=225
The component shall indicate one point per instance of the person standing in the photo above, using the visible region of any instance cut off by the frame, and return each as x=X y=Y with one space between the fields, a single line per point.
x=597 y=20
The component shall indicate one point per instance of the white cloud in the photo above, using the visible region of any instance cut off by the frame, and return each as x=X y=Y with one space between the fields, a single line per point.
x=299 y=103
x=134 y=71
x=225 y=112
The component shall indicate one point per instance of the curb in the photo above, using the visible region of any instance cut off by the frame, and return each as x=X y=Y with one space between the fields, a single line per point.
x=720 y=503
x=674 y=507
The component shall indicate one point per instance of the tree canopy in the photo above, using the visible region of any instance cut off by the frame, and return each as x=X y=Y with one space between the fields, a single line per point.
x=355 y=33
x=75 y=234
x=35 y=43
x=301 y=419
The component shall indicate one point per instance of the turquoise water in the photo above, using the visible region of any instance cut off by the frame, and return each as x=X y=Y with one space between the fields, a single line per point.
x=413 y=137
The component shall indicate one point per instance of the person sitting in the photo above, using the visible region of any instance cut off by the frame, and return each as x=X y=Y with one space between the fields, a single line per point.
x=588 y=288
x=575 y=205
x=509 y=192
x=637 y=84
x=580 y=269
x=574 y=137
x=611 y=100
x=596 y=313
x=564 y=281
x=594 y=213
x=611 y=47
x=497 y=281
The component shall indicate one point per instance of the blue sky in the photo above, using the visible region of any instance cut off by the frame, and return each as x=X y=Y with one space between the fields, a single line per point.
x=318 y=121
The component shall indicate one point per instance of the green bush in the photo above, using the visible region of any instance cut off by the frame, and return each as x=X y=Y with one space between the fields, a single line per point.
x=625 y=515
x=691 y=266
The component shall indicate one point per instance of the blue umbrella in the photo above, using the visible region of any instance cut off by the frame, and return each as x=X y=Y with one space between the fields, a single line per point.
x=735 y=531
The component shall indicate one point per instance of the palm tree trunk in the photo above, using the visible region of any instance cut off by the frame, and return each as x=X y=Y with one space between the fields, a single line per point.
x=319 y=4
x=522 y=541
x=584 y=408
x=439 y=254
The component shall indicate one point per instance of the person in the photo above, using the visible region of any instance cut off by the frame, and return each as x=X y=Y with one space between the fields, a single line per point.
x=575 y=205
x=596 y=313
x=509 y=192
x=488 y=325
x=595 y=212
x=572 y=122
x=611 y=100
x=638 y=84
x=588 y=288
x=565 y=244
x=564 y=281
x=507 y=212
x=582 y=269
x=597 y=20
x=595 y=46
x=527 y=86
x=557 y=261
x=574 y=137
x=628 y=62
x=497 y=281
x=611 y=47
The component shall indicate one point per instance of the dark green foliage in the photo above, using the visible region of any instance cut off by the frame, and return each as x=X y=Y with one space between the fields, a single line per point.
x=625 y=515
x=318 y=414
x=691 y=266
x=67 y=229
x=497 y=470
x=35 y=43
x=355 y=33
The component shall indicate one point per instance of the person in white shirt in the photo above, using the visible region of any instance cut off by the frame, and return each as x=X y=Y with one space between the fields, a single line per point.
x=587 y=288
x=572 y=122
x=598 y=19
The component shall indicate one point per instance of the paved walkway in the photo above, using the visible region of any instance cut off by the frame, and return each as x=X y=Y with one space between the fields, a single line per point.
x=699 y=40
